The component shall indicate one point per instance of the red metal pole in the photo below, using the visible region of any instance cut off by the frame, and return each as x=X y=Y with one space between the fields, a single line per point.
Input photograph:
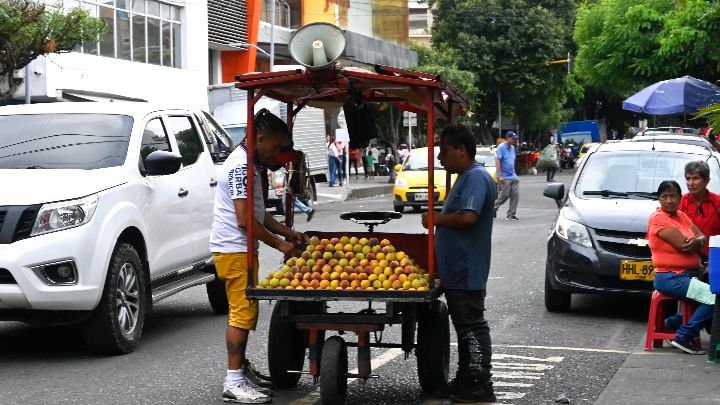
x=431 y=180
x=250 y=143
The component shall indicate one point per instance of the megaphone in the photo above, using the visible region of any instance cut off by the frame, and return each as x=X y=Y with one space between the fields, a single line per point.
x=317 y=45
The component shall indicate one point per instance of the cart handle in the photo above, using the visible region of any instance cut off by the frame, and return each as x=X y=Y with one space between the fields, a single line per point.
x=371 y=219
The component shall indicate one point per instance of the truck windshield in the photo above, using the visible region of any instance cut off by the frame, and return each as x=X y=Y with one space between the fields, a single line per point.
x=608 y=173
x=64 y=141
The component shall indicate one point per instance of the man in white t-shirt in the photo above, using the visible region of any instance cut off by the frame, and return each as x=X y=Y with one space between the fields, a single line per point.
x=228 y=243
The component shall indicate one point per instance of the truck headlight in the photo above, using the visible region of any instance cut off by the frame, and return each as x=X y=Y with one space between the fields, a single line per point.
x=400 y=182
x=63 y=215
x=572 y=231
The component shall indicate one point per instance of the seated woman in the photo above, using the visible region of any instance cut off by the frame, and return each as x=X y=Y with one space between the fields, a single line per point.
x=674 y=242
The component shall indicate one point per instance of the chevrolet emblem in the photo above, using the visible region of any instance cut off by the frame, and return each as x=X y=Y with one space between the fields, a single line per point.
x=638 y=242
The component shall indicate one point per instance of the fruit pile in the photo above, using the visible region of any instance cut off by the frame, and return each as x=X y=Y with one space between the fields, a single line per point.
x=349 y=263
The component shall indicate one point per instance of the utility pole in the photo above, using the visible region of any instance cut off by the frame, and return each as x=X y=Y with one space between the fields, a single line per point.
x=499 y=116
x=272 y=35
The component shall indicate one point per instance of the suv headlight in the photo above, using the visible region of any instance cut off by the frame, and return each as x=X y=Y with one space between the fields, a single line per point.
x=63 y=215
x=400 y=182
x=572 y=231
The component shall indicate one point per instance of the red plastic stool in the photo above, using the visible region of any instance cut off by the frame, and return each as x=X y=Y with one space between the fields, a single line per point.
x=656 y=331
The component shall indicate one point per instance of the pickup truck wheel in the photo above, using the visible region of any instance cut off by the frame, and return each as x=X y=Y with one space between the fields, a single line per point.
x=116 y=324
x=217 y=295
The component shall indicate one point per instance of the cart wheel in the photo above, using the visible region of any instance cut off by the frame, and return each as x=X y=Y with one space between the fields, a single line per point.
x=286 y=350
x=333 y=373
x=433 y=347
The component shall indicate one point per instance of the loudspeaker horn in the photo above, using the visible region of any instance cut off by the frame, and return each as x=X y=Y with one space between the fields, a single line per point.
x=317 y=45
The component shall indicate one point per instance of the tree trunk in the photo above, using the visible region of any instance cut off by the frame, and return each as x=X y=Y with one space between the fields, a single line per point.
x=8 y=86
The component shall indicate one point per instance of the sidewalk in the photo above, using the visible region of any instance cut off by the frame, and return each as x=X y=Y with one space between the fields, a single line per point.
x=664 y=376
x=358 y=188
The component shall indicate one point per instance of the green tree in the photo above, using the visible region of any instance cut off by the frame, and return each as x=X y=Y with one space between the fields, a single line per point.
x=624 y=46
x=30 y=28
x=507 y=45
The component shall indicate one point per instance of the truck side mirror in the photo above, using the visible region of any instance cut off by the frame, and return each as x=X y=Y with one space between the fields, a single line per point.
x=161 y=163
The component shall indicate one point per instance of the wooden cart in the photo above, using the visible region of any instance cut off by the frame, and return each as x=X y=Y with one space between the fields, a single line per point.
x=300 y=318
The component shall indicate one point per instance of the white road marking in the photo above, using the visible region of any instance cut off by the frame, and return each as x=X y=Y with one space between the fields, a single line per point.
x=575 y=349
x=517 y=374
x=501 y=395
x=503 y=356
x=511 y=384
x=333 y=196
x=523 y=366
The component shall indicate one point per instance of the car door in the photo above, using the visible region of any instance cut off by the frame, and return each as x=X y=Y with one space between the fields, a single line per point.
x=168 y=210
x=200 y=180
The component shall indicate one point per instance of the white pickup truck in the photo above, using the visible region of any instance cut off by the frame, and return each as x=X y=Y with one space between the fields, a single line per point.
x=105 y=209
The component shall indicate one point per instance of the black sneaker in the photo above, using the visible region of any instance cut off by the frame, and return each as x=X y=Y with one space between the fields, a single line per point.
x=495 y=213
x=457 y=384
x=511 y=218
x=686 y=344
x=310 y=215
x=672 y=322
x=475 y=393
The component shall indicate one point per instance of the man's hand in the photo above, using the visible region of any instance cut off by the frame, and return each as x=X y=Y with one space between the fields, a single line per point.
x=300 y=238
x=289 y=249
x=692 y=243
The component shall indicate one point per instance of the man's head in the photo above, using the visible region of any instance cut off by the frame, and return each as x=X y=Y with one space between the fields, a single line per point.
x=271 y=134
x=697 y=177
x=457 y=148
x=511 y=137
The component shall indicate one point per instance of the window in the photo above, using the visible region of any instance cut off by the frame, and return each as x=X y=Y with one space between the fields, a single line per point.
x=146 y=31
x=64 y=141
x=154 y=138
x=187 y=139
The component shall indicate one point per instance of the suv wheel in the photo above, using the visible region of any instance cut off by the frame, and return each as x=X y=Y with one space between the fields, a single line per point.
x=555 y=300
x=116 y=324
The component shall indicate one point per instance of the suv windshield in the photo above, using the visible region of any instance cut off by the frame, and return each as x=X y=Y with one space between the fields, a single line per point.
x=64 y=141
x=419 y=160
x=637 y=172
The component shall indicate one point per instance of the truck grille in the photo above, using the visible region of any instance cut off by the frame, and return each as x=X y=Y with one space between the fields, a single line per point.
x=16 y=222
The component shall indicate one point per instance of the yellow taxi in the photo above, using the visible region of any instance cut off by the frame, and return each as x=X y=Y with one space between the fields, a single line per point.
x=411 y=181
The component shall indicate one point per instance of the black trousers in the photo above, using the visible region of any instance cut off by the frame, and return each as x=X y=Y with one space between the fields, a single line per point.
x=467 y=311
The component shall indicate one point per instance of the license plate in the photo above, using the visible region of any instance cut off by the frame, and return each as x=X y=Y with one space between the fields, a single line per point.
x=421 y=196
x=632 y=270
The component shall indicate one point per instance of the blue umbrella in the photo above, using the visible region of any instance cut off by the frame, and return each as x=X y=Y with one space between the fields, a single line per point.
x=675 y=96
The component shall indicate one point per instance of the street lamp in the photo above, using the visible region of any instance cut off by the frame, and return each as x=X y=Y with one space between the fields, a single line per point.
x=244 y=45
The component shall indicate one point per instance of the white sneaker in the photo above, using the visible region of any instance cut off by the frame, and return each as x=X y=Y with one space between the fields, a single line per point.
x=243 y=393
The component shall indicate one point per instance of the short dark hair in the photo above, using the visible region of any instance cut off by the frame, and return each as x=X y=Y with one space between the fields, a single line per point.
x=700 y=167
x=269 y=124
x=669 y=185
x=459 y=135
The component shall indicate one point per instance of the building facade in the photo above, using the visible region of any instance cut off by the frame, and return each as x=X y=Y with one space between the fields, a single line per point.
x=154 y=50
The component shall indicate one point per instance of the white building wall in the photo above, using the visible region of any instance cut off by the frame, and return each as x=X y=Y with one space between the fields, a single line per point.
x=360 y=17
x=187 y=86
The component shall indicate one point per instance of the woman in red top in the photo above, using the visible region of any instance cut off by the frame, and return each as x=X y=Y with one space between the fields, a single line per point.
x=674 y=242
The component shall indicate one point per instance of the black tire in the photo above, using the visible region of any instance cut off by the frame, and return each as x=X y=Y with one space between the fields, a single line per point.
x=116 y=324
x=399 y=208
x=308 y=198
x=416 y=208
x=433 y=347
x=333 y=373
x=555 y=300
x=217 y=296
x=286 y=350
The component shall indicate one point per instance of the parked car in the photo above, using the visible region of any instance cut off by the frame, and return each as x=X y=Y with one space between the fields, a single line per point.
x=411 y=181
x=598 y=242
x=673 y=137
x=486 y=157
x=106 y=209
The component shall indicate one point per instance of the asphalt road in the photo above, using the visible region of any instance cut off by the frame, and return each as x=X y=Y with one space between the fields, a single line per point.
x=538 y=356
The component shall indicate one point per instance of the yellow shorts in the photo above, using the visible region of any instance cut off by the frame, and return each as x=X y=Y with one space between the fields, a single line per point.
x=232 y=269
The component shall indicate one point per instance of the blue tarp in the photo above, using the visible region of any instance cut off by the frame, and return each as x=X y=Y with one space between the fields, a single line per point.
x=675 y=96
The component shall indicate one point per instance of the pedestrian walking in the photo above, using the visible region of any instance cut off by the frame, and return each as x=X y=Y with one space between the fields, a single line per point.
x=296 y=184
x=229 y=246
x=507 y=178
x=340 y=145
x=333 y=161
x=354 y=157
x=463 y=244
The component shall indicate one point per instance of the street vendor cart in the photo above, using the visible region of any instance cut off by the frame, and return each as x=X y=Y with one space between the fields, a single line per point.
x=300 y=318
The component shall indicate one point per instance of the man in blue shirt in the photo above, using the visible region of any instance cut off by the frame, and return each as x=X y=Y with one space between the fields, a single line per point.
x=462 y=245
x=508 y=179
